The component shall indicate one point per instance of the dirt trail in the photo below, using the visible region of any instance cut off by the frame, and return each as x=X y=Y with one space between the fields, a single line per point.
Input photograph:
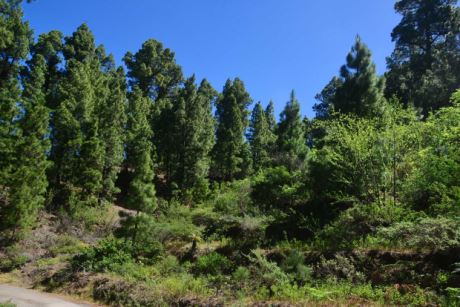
x=30 y=298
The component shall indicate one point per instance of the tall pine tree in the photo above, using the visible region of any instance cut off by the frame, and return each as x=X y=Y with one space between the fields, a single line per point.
x=193 y=134
x=231 y=113
x=141 y=191
x=15 y=40
x=424 y=68
x=360 y=91
x=291 y=142
x=260 y=138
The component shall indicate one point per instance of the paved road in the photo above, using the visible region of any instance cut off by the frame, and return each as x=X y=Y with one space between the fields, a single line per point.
x=30 y=298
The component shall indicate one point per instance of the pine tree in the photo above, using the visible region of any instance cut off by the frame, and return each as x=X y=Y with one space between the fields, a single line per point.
x=80 y=138
x=15 y=40
x=325 y=104
x=361 y=90
x=259 y=137
x=141 y=191
x=193 y=136
x=291 y=143
x=154 y=70
x=50 y=46
x=270 y=116
x=231 y=113
x=112 y=122
x=424 y=68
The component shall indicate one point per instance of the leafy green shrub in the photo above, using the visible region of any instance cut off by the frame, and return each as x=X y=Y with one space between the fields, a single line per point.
x=339 y=268
x=426 y=233
x=168 y=265
x=453 y=297
x=233 y=198
x=294 y=265
x=241 y=275
x=355 y=224
x=277 y=189
x=7 y=304
x=12 y=258
x=267 y=272
x=434 y=186
x=103 y=257
x=213 y=264
x=67 y=244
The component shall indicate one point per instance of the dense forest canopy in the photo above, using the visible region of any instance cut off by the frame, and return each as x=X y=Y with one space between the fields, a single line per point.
x=210 y=181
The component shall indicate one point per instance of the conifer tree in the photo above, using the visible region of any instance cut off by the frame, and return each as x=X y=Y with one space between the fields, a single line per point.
x=231 y=113
x=50 y=46
x=15 y=40
x=291 y=142
x=270 y=116
x=325 y=99
x=79 y=142
x=361 y=90
x=193 y=134
x=141 y=191
x=112 y=122
x=154 y=70
x=424 y=68
x=259 y=137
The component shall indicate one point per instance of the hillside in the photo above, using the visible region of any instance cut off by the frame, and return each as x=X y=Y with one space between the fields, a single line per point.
x=135 y=185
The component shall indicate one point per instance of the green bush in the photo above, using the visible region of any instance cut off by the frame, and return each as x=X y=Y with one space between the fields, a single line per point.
x=353 y=225
x=241 y=275
x=339 y=268
x=212 y=264
x=268 y=273
x=426 y=233
x=12 y=258
x=103 y=257
x=294 y=265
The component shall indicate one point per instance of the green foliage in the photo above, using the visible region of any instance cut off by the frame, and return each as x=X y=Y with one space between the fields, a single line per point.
x=294 y=265
x=353 y=225
x=277 y=189
x=212 y=264
x=261 y=138
x=352 y=164
x=291 y=141
x=434 y=185
x=424 y=234
x=190 y=140
x=339 y=268
x=231 y=116
x=103 y=257
x=267 y=272
x=424 y=67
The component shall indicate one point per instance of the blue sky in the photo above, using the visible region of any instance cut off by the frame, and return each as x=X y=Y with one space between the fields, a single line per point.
x=274 y=46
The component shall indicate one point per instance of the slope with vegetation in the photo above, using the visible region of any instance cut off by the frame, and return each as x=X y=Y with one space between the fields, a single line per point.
x=124 y=187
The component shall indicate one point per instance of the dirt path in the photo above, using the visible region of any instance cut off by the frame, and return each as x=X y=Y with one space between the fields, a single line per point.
x=30 y=298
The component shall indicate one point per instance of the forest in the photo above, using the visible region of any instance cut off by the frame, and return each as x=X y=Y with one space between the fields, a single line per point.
x=136 y=185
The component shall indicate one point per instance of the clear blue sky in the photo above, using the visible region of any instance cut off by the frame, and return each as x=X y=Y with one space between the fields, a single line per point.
x=272 y=45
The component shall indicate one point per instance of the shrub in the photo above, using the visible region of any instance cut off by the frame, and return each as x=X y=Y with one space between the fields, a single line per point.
x=12 y=258
x=339 y=268
x=267 y=272
x=212 y=264
x=67 y=244
x=241 y=275
x=426 y=233
x=104 y=257
x=354 y=224
x=294 y=265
